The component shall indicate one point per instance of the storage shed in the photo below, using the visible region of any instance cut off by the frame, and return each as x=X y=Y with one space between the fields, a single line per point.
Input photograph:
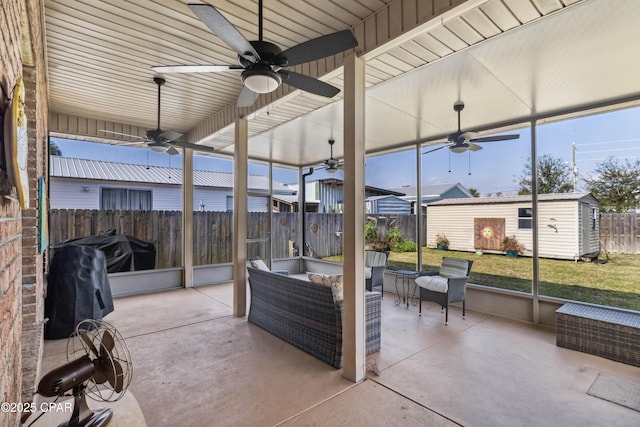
x=389 y=204
x=568 y=224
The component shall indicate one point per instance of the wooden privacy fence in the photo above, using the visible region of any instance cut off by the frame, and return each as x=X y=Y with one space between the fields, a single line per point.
x=213 y=231
x=620 y=233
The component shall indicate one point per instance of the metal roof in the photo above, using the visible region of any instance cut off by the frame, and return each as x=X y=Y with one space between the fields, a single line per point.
x=68 y=167
x=431 y=191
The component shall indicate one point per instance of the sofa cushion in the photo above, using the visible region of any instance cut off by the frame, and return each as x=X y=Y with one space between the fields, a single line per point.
x=367 y=272
x=333 y=281
x=433 y=283
x=259 y=264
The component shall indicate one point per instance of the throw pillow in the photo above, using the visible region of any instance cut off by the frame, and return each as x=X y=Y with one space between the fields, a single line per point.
x=259 y=264
x=332 y=281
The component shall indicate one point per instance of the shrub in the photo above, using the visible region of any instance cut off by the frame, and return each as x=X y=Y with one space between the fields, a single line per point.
x=394 y=236
x=370 y=231
x=511 y=244
x=405 y=246
x=441 y=240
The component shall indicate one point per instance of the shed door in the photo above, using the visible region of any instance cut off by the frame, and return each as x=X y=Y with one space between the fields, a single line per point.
x=585 y=224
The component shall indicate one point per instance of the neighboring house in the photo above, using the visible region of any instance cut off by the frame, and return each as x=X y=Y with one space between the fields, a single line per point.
x=434 y=193
x=326 y=195
x=94 y=184
x=568 y=224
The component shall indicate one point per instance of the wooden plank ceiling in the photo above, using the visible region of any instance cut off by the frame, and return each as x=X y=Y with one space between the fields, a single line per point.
x=99 y=56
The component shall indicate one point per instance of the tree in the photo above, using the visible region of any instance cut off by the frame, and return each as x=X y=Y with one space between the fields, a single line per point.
x=553 y=176
x=616 y=185
x=474 y=192
x=54 y=150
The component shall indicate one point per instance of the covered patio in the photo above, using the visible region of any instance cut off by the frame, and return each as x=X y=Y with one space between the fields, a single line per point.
x=514 y=63
x=198 y=365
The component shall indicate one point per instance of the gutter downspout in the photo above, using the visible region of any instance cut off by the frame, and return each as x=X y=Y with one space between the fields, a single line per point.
x=303 y=210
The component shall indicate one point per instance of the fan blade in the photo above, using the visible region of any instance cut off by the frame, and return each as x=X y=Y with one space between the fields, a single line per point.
x=320 y=47
x=100 y=374
x=474 y=147
x=221 y=27
x=88 y=342
x=435 y=149
x=122 y=134
x=170 y=135
x=172 y=151
x=308 y=84
x=107 y=342
x=247 y=97
x=115 y=376
x=196 y=147
x=495 y=138
x=195 y=68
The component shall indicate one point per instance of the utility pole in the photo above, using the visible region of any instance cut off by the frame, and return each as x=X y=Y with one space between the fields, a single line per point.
x=574 y=167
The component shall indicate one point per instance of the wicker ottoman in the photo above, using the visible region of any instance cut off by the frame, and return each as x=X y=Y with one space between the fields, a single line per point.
x=609 y=333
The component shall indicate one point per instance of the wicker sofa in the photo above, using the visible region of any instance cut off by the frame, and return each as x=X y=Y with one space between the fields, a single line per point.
x=305 y=314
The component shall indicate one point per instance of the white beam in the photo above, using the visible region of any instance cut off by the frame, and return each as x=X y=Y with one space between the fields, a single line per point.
x=240 y=218
x=353 y=321
x=187 y=218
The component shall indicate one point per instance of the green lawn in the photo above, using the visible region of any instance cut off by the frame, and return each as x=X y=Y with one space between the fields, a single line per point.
x=615 y=283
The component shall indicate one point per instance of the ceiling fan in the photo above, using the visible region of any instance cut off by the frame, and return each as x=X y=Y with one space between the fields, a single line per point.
x=160 y=140
x=459 y=142
x=332 y=165
x=262 y=63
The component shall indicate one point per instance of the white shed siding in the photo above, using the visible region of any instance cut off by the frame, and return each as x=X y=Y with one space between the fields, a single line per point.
x=560 y=231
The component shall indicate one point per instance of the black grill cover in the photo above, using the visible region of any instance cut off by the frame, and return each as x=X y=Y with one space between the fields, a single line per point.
x=124 y=253
x=78 y=289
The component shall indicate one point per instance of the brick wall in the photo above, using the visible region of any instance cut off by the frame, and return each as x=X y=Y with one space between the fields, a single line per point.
x=21 y=267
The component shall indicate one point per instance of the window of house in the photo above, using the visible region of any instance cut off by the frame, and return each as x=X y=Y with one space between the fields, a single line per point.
x=525 y=216
x=125 y=199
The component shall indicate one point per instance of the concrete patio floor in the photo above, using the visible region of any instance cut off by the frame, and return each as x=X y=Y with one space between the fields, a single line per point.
x=197 y=365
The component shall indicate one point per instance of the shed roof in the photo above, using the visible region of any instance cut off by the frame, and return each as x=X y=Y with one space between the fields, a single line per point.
x=432 y=191
x=516 y=199
x=69 y=167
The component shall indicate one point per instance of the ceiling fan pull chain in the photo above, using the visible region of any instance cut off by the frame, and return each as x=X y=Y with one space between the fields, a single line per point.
x=469 y=162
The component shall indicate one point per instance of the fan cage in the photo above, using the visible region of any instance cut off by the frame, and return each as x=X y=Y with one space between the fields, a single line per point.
x=77 y=347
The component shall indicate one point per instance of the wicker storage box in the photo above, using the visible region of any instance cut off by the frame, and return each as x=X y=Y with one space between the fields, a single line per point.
x=613 y=334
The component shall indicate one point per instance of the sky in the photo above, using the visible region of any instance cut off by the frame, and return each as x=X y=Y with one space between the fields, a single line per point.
x=494 y=169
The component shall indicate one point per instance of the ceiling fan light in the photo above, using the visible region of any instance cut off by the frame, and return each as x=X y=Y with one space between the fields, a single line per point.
x=261 y=80
x=459 y=148
x=157 y=148
x=332 y=169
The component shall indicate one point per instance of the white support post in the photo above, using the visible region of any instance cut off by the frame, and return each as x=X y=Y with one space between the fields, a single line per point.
x=240 y=167
x=353 y=321
x=187 y=218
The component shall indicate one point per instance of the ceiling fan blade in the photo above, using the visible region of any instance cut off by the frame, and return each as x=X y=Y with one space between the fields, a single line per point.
x=435 y=149
x=196 y=147
x=309 y=84
x=320 y=47
x=122 y=134
x=247 y=97
x=172 y=151
x=221 y=27
x=495 y=138
x=170 y=135
x=474 y=147
x=195 y=68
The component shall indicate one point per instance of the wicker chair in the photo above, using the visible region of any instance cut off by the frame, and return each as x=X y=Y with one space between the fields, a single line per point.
x=445 y=286
x=374 y=263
